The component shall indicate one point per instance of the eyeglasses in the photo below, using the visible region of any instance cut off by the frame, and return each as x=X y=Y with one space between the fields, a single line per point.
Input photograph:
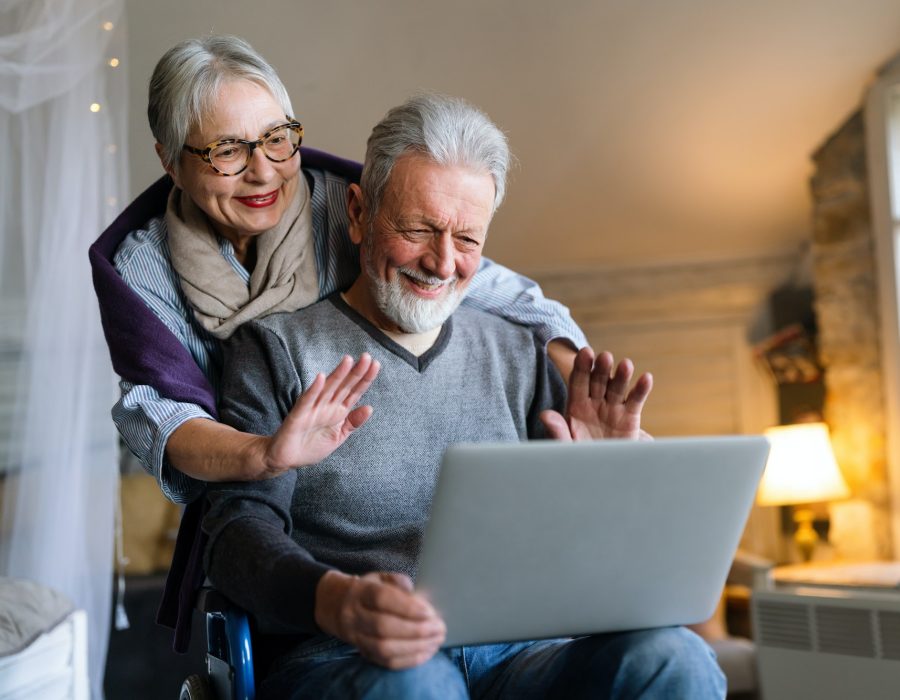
x=232 y=156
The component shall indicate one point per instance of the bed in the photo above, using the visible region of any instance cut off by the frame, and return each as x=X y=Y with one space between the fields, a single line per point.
x=43 y=644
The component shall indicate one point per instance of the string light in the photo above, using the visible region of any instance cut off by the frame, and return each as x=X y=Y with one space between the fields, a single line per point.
x=95 y=107
x=111 y=148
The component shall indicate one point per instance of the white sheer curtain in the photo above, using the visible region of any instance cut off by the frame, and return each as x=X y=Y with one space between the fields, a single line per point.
x=63 y=176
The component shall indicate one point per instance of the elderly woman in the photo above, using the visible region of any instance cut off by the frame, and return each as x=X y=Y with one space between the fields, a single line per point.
x=240 y=229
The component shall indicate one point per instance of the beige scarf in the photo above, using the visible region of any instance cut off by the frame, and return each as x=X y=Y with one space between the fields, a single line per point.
x=284 y=278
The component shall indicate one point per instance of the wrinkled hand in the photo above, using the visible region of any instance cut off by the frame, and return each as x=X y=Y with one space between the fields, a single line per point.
x=322 y=417
x=381 y=616
x=600 y=404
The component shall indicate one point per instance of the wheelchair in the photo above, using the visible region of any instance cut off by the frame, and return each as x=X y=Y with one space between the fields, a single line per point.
x=229 y=657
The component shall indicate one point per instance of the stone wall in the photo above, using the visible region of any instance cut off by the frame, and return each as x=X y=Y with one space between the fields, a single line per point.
x=846 y=304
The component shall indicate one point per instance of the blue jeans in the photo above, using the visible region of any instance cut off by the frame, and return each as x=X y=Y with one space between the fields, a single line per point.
x=670 y=663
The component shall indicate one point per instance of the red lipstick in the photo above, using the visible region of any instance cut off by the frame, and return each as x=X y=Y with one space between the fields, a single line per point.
x=259 y=201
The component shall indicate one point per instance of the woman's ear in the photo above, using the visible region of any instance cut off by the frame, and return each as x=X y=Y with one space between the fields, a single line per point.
x=356 y=213
x=168 y=167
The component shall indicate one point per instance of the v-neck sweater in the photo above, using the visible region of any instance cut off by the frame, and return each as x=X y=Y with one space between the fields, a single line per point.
x=364 y=507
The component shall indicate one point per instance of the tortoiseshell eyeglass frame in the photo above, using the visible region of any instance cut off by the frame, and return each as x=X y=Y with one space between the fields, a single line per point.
x=203 y=153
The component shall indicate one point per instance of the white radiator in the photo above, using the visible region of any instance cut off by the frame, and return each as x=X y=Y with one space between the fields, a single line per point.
x=827 y=644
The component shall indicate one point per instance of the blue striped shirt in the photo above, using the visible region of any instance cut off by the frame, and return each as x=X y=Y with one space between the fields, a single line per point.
x=146 y=420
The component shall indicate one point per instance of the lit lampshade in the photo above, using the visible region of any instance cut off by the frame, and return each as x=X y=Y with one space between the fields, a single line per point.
x=801 y=469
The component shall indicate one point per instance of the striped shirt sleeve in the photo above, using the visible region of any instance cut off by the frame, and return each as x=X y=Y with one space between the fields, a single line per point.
x=502 y=292
x=145 y=421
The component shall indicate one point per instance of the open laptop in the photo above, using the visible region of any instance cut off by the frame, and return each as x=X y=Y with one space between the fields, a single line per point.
x=548 y=539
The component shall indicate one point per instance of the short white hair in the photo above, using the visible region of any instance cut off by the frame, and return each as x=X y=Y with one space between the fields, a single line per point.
x=187 y=80
x=448 y=130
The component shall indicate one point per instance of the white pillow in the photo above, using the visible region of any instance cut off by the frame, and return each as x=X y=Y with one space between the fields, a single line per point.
x=27 y=610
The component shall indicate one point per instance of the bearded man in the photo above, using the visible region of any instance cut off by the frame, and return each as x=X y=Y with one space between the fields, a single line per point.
x=323 y=557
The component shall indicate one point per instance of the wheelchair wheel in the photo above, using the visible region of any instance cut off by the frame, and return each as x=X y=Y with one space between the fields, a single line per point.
x=196 y=688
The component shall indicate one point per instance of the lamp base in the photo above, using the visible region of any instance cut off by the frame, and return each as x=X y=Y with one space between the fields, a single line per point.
x=805 y=536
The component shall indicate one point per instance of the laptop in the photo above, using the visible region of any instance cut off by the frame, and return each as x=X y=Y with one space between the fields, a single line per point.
x=547 y=539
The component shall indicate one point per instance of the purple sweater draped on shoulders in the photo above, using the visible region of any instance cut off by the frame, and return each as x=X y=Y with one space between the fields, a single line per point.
x=144 y=351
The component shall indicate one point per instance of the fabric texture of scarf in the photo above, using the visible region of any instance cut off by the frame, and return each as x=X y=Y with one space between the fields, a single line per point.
x=283 y=279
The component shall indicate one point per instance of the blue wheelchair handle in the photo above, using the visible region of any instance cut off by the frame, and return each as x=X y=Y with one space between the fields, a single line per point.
x=239 y=649
x=228 y=638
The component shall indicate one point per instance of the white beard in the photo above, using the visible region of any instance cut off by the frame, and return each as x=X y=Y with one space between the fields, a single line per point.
x=413 y=314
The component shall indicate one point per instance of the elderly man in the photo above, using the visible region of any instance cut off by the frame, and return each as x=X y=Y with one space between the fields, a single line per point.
x=323 y=557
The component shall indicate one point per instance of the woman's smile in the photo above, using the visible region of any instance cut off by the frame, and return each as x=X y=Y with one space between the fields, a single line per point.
x=258 y=201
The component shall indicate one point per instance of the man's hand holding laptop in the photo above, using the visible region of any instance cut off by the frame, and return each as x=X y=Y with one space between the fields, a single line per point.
x=381 y=616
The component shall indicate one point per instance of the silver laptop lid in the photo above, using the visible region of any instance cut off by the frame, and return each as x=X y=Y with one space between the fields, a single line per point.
x=546 y=539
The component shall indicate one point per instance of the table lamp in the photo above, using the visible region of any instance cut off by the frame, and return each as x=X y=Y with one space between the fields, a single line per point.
x=801 y=470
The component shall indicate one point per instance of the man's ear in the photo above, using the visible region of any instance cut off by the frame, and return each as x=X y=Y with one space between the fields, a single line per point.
x=356 y=213
x=168 y=168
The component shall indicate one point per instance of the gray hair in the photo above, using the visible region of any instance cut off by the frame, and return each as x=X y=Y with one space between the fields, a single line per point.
x=187 y=80
x=448 y=130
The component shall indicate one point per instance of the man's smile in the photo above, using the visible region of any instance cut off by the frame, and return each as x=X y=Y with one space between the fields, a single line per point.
x=427 y=285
